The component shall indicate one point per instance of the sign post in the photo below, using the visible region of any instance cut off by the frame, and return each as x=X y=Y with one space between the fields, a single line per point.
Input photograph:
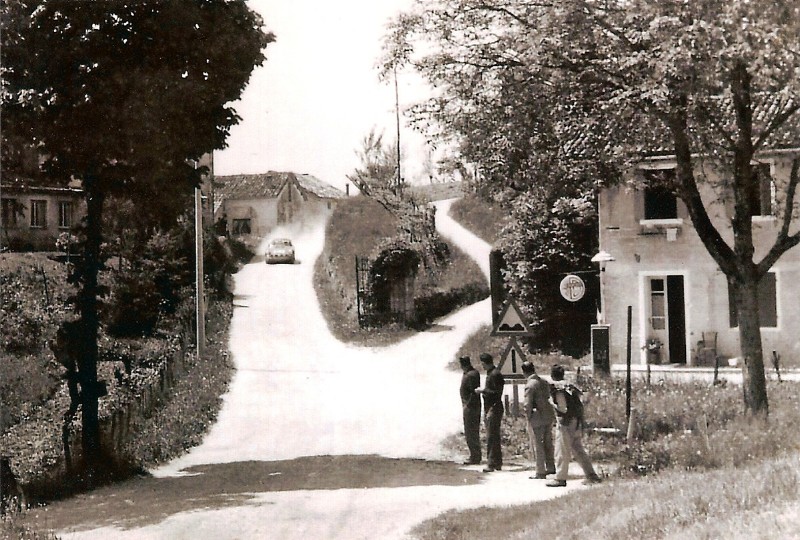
x=511 y=323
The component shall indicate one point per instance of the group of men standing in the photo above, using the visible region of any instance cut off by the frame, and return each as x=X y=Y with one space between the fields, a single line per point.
x=547 y=405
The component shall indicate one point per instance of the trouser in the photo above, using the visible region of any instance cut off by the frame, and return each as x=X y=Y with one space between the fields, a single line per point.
x=472 y=426
x=494 y=454
x=569 y=444
x=540 y=438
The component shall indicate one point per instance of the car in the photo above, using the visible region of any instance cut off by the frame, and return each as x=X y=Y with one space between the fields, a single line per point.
x=280 y=250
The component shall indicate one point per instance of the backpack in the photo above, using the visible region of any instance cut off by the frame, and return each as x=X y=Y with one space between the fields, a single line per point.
x=574 y=403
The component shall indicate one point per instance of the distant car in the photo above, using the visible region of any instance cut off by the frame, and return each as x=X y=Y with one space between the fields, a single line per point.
x=280 y=250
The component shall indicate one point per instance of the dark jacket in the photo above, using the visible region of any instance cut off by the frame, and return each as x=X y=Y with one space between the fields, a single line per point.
x=493 y=390
x=469 y=382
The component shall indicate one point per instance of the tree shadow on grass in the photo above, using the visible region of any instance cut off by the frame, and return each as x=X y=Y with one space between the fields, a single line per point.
x=147 y=500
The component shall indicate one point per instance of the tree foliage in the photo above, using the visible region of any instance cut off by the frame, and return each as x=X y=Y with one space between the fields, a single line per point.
x=122 y=95
x=709 y=82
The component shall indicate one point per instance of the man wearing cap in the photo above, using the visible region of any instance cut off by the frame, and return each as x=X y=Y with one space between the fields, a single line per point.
x=471 y=405
x=493 y=410
x=566 y=402
x=541 y=417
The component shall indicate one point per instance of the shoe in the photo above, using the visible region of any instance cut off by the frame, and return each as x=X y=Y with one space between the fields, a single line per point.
x=556 y=483
x=470 y=462
x=589 y=480
x=550 y=472
x=538 y=477
x=490 y=469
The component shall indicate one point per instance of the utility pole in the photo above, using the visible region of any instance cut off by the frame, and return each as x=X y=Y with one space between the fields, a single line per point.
x=200 y=300
x=397 y=123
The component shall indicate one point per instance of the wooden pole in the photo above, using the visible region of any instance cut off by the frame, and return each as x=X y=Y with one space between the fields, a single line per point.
x=628 y=370
x=200 y=300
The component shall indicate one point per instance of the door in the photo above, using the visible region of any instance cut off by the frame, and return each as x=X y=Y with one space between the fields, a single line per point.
x=666 y=319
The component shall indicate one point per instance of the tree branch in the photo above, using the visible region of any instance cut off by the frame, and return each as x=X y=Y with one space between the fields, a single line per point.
x=784 y=242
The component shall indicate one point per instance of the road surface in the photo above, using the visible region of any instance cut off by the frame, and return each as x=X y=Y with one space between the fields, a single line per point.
x=298 y=393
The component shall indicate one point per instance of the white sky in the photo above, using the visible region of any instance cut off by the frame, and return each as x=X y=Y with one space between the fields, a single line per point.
x=307 y=109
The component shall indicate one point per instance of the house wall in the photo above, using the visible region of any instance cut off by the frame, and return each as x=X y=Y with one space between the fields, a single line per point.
x=262 y=213
x=22 y=236
x=298 y=209
x=644 y=250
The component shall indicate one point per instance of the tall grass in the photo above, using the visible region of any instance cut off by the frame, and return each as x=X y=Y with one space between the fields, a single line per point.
x=483 y=218
x=685 y=485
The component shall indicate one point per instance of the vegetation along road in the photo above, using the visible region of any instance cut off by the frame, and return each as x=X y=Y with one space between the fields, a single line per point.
x=307 y=441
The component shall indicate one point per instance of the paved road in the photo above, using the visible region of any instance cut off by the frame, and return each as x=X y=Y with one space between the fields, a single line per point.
x=297 y=392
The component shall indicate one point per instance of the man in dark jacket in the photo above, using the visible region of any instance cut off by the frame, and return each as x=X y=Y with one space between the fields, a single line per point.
x=541 y=417
x=493 y=410
x=471 y=405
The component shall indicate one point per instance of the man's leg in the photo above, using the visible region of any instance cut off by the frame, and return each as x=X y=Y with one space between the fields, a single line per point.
x=494 y=454
x=581 y=456
x=563 y=454
x=545 y=440
x=472 y=423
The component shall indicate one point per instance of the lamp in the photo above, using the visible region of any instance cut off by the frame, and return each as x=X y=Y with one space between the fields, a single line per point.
x=602 y=258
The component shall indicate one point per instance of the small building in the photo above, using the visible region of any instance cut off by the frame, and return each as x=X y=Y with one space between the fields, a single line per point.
x=33 y=216
x=679 y=297
x=255 y=204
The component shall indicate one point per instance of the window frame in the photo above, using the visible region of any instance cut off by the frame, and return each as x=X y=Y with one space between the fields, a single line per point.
x=38 y=214
x=733 y=318
x=8 y=212
x=69 y=214
x=758 y=214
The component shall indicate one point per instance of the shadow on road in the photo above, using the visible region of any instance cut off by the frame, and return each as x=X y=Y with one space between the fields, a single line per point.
x=147 y=500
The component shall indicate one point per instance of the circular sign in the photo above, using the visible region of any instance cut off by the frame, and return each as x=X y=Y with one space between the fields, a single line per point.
x=572 y=288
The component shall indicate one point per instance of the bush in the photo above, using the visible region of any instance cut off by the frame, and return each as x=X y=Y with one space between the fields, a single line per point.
x=439 y=303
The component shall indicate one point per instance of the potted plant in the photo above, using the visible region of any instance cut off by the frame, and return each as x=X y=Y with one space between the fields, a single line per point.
x=653 y=347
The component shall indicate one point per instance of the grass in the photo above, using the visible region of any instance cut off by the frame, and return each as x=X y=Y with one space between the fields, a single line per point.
x=672 y=482
x=674 y=505
x=484 y=219
x=356 y=228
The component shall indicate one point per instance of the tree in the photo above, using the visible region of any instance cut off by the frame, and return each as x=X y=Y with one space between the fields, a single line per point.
x=122 y=95
x=496 y=116
x=631 y=76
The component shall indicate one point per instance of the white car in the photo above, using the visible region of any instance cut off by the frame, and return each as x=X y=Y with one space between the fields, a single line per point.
x=279 y=250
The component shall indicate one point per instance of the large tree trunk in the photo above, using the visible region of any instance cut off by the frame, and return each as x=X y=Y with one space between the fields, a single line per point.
x=88 y=309
x=754 y=382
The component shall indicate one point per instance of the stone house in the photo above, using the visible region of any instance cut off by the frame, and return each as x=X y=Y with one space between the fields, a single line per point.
x=255 y=204
x=679 y=296
x=33 y=216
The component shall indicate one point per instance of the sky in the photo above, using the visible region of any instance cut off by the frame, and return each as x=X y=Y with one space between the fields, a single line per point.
x=310 y=105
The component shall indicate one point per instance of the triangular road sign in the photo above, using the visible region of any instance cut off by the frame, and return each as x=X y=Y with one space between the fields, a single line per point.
x=513 y=365
x=511 y=322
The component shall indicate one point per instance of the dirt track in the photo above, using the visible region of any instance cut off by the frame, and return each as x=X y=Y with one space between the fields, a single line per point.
x=298 y=393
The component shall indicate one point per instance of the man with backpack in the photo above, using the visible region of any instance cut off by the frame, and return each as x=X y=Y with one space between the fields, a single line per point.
x=566 y=401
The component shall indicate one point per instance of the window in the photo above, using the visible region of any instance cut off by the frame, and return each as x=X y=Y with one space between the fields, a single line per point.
x=65 y=214
x=660 y=201
x=241 y=226
x=9 y=212
x=38 y=214
x=762 y=192
x=767 y=303
x=658 y=314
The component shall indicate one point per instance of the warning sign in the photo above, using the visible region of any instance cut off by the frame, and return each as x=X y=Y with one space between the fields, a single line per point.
x=511 y=322
x=512 y=359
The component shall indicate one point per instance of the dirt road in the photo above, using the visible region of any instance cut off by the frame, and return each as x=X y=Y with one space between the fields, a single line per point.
x=315 y=439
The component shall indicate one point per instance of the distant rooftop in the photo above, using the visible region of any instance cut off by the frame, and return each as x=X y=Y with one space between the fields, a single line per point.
x=267 y=185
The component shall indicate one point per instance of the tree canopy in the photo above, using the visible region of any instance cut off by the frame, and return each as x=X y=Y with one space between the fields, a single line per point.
x=123 y=96
x=710 y=82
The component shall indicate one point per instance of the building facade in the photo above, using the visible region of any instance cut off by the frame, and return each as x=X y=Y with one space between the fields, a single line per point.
x=33 y=217
x=256 y=204
x=681 y=305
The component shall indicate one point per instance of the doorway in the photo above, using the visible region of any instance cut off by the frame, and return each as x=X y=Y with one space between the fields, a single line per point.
x=666 y=318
